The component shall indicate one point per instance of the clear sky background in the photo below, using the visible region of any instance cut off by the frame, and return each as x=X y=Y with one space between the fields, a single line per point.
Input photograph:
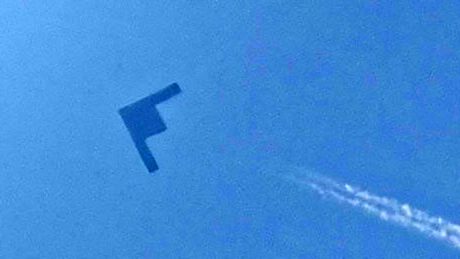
x=365 y=92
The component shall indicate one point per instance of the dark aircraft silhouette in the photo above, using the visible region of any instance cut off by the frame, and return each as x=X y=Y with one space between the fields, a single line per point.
x=143 y=120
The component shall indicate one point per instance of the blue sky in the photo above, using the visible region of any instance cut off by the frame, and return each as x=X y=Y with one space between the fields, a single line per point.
x=364 y=92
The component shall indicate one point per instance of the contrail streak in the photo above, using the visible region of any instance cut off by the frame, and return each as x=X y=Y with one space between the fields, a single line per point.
x=386 y=209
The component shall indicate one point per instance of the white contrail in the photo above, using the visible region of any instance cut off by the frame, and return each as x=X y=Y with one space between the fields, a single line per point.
x=385 y=208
